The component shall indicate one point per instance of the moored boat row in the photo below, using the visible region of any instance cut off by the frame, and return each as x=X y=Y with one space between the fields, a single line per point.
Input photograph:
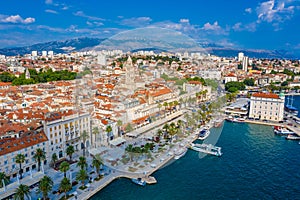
x=235 y=119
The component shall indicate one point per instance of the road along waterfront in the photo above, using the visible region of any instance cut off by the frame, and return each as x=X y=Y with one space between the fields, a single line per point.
x=255 y=164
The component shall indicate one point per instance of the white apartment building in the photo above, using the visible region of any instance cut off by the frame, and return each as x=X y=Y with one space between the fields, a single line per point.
x=230 y=77
x=267 y=106
x=64 y=129
x=210 y=74
x=14 y=141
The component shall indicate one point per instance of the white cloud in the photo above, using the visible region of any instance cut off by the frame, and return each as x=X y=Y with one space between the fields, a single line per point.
x=248 y=10
x=251 y=27
x=213 y=26
x=184 y=21
x=16 y=19
x=94 y=23
x=48 y=2
x=51 y=11
x=275 y=11
x=136 y=21
x=82 y=14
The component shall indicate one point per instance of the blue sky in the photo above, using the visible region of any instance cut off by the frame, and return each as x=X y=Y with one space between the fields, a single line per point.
x=265 y=24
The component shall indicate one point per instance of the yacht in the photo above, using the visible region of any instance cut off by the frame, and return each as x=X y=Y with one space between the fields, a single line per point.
x=180 y=153
x=293 y=137
x=203 y=134
x=282 y=131
x=139 y=181
x=235 y=119
x=207 y=148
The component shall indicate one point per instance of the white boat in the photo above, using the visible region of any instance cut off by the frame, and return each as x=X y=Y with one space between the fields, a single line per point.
x=207 y=148
x=203 y=134
x=293 y=137
x=218 y=123
x=139 y=181
x=282 y=131
x=235 y=119
x=180 y=153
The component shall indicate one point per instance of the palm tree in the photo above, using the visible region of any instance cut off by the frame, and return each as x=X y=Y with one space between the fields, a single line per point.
x=39 y=156
x=170 y=106
x=3 y=178
x=95 y=131
x=159 y=133
x=128 y=127
x=119 y=124
x=20 y=158
x=97 y=162
x=165 y=104
x=176 y=103
x=108 y=131
x=45 y=186
x=69 y=151
x=54 y=159
x=82 y=176
x=205 y=94
x=82 y=162
x=159 y=107
x=64 y=167
x=181 y=101
x=21 y=192
x=65 y=186
x=84 y=136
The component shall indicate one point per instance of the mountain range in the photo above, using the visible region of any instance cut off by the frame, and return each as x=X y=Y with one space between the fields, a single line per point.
x=85 y=43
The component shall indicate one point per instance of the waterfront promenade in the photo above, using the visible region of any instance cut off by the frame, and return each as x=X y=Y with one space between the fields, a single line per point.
x=296 y=129
x=27 y=180
x=161 y=159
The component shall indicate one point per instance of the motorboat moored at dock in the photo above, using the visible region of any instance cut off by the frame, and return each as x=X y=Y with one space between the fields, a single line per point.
x=278 y=130
x=203 y=134
x=180 y=153
x=293 y=137
x=139 y=181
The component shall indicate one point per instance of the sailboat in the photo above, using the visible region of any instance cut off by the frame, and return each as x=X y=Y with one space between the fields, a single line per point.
x=289 y=106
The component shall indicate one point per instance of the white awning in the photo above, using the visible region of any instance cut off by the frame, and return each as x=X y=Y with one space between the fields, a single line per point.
x=133 y=134
x=99 y=150
x=117 y=141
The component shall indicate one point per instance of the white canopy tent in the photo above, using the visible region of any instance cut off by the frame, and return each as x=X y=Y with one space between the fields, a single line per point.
x=117 y=141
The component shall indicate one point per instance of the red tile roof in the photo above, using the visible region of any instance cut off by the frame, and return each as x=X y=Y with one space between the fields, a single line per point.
x=8 y=145
x=266 y=95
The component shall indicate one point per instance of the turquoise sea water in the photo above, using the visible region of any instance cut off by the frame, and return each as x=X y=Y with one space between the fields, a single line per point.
x=255 y=164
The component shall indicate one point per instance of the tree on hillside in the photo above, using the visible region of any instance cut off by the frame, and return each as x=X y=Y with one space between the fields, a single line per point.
x=249 y=81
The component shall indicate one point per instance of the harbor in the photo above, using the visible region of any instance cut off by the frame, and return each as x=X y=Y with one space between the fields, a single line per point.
x=272 y=166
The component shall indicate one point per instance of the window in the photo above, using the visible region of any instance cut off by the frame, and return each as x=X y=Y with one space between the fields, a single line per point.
x=5 y=162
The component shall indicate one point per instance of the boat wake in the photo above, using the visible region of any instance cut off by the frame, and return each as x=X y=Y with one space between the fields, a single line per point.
x=212 y=139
